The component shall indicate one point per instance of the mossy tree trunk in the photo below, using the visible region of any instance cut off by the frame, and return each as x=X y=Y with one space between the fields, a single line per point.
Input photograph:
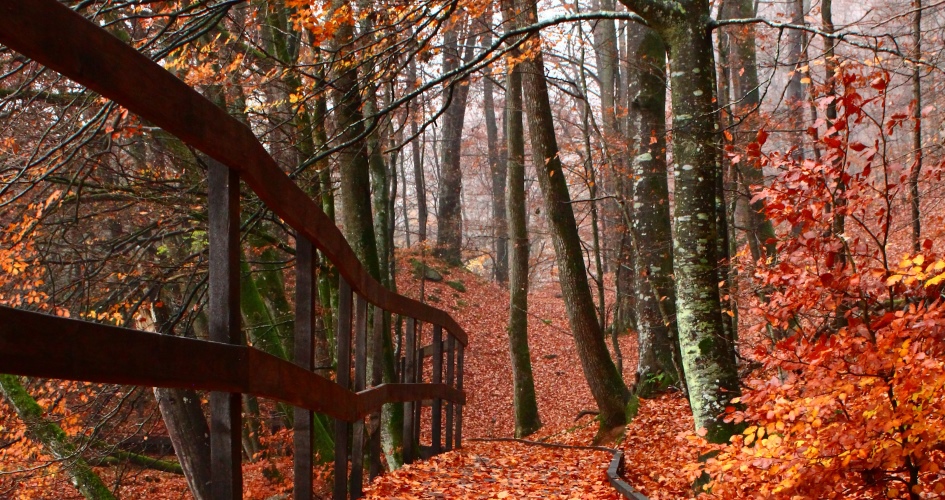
x=708 y=357
x=659 y=362
x=527 y=420
x=356 y=198
x=54 y=440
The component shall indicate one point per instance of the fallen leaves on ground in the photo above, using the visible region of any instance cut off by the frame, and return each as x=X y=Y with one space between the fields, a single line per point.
x=501 y=470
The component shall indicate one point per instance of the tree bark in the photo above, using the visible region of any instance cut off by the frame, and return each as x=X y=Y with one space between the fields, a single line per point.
x=658 y=339
x=54 y=440
x=917 y=127
x=499 y=170
x=605 y=382
x=527 y=420
x=708 y=358
x=449 y=232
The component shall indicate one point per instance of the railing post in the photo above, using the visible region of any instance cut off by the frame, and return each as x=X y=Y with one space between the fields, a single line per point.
x=459 y=386
x=343 y=378
x=417 y=378
x=304 y=356
x=437 y=421
x=450 y=347
x=377 y=357
x=360 y=380
x=409 y=376
x=225 y=419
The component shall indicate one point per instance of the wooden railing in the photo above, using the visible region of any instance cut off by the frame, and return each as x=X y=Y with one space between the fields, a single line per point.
x=39 y=345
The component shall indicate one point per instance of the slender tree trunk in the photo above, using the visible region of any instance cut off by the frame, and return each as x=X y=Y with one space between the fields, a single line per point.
x=659 y=364
x=605 y=382
x=917 y=126
x=189 y=434
x=523 y=383
x=796 y=93
x=615 y=179
x=54 y=440
x=498 y=168
x=739 y=43
x=417 y=150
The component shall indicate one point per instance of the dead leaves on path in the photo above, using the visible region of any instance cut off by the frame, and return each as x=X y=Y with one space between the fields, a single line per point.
x=483 y=470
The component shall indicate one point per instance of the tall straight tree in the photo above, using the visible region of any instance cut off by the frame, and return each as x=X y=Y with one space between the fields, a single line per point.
x=356 y=197
x=499 y=170
x=917 y=125
x=796 y=92
x=416 y=147
x=523 y=384
x=605 y=382
x=738 y=42
x=607 y=55
x=659 y=361
x=708 y=358
x=449 y=232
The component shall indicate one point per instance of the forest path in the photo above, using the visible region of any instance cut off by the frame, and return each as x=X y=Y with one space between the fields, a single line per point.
x=655 y=445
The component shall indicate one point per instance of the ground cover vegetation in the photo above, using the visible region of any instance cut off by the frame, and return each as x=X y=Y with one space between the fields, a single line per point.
x=710 y=234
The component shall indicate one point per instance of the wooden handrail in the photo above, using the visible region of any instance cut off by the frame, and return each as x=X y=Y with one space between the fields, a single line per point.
x=41 y=345
x=77 y=48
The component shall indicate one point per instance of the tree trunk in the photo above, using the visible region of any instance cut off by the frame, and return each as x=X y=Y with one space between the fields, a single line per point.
x=54 y=440
x=605 y=382
x=796 y=93
x=416 y=149
x=708 y=358
x=739 y=43
x=499 y=170
x=449 y=218
x=526 y=407
x=917 y=126
x=189 y=434
x=659 y=359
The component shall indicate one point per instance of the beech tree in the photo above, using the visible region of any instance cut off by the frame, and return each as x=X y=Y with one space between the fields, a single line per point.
x=708 y=358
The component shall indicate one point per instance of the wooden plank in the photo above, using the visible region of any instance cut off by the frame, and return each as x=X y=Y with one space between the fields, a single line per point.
x=225 y=418
x=459 y=387
x=437 y=421
x=39 y=345
x=360 y=382
x=377 y=357
x=410 y=344
x=68 y=43
x=343 y=378
x=450 y=375
x=304 y=357
x=427 y=350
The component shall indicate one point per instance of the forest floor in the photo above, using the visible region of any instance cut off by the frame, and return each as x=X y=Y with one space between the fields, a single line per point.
x=658 y=443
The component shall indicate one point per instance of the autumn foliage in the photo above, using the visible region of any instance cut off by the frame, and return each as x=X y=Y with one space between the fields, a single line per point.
x=850 y=399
